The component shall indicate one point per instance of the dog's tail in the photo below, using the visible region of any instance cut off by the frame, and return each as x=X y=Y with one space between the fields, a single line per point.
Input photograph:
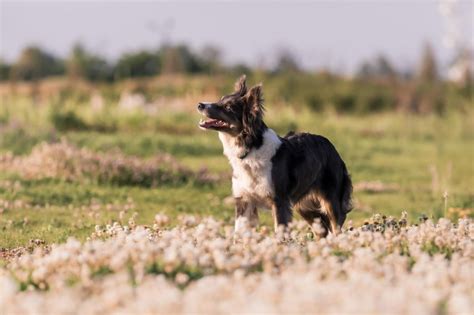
x=346 y=193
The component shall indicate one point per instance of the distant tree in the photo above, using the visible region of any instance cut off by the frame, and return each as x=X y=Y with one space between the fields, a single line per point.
x=384 y=67
x=365 y=71
x=35 y=63
x=82 y=64
x=240 y=69
x=138 y=64
x=179 y=59
x=76 y=64
x=377 y=69
x=4 y=70
x=210 y=59
x=428 y=70
x=286 y=62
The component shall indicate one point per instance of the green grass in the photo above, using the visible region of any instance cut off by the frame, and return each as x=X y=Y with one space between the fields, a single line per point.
x=423 y=155
x=60 y=209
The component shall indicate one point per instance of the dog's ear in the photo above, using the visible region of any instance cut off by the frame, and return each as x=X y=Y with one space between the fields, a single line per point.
x=252 y=118
x=254 y=100
x=240 y=86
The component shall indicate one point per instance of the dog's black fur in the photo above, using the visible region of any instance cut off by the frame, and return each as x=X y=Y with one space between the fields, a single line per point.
x=307 y=173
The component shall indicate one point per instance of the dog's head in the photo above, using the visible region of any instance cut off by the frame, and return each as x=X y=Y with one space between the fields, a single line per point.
x=239 y=114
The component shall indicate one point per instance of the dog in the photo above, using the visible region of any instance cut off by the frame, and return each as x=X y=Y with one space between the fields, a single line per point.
x=299 y=171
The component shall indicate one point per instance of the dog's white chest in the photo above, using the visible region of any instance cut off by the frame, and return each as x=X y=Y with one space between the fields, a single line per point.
x=254 y=181
x=252 y=175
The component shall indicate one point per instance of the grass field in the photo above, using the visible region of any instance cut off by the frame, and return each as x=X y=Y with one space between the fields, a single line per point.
x=113 y=208
x=398 y=162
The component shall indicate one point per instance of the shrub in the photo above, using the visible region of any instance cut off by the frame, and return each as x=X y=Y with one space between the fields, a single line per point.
x=67 y=120
x=67 y=162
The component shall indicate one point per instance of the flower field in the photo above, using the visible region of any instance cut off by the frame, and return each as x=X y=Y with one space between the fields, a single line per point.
x=200 y=266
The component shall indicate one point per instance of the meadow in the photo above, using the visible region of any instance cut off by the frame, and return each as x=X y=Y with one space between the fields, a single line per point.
x=111 y=191
x=421 y=164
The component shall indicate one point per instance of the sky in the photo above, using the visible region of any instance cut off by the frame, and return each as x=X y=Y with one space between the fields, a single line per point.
x=337 y=35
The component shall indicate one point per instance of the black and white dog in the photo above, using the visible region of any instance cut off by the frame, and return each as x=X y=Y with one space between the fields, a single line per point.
x=300 y=171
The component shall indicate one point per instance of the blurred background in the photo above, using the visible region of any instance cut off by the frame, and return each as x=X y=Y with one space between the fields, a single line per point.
x=83 y=83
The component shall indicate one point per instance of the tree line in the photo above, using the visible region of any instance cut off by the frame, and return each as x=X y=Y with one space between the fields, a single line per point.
x=34 y=63
x=377 y=84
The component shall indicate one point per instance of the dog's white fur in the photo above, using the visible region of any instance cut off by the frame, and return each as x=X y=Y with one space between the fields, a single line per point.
x=242 y=223
x=252 y=175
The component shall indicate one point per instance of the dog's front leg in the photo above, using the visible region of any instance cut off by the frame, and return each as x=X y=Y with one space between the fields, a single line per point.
x=246 y=214
x=281 y=212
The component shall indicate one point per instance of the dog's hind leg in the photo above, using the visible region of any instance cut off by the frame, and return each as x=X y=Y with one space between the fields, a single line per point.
x=332 y=208
x=311 y=216
x=309 y=207
x=341 y=218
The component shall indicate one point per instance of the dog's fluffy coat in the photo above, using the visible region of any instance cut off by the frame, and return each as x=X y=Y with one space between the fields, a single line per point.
x=300 y=171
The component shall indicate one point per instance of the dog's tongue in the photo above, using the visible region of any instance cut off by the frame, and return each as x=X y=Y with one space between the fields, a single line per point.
x=207 y=123
x=211 y=123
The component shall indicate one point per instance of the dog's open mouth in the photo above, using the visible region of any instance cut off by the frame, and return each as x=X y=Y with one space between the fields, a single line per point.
x=213 y=123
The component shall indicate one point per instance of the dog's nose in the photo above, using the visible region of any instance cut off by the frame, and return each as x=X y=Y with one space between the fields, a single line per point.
x=201 y=106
